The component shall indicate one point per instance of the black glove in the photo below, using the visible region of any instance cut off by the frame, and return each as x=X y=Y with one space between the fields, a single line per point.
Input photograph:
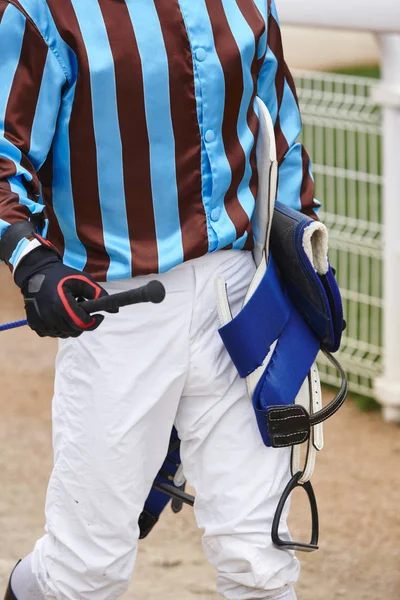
x=50 y=290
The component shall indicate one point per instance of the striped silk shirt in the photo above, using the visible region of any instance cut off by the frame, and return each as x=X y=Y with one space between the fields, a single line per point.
x=128 y=127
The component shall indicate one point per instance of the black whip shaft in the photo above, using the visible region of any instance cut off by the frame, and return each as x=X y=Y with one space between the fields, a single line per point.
x=153 y=292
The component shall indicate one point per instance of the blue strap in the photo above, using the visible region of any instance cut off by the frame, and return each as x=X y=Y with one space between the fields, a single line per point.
x=13 y=325
x=248 y=337
x=293 y=356
x=156 y=500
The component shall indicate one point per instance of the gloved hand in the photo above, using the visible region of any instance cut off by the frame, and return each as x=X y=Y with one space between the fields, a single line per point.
x=50 y=290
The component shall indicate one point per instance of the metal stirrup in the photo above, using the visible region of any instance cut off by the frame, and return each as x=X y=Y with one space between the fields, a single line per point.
x=301 y=478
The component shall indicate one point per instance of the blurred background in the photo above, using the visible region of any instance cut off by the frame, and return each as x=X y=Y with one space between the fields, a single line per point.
x=348 y=84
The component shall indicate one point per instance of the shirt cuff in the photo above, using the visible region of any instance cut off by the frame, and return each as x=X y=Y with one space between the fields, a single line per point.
x=24 y=247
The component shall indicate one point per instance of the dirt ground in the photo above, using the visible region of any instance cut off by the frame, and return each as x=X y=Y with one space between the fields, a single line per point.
x=357 y=482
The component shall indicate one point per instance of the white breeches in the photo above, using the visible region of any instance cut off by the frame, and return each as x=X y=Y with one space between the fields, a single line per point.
x=118 y=392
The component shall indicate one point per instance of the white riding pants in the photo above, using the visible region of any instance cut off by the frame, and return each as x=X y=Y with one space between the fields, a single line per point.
x=118 y=392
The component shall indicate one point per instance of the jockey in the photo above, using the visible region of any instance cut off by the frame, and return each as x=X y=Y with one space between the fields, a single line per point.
x=128 y=134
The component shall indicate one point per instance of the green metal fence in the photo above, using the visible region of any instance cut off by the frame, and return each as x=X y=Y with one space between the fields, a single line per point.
x=342 y=133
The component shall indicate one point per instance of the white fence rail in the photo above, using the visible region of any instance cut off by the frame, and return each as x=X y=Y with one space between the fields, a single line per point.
x=358 y=175
x=365 y=15
x=343 y=133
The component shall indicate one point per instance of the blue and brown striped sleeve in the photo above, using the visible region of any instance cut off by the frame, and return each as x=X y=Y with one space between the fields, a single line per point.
x=277 y=89
x=31 y=80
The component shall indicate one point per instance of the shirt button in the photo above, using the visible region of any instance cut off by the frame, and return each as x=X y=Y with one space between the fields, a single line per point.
x=215 y=213
x=200 y=54
x=209 y=136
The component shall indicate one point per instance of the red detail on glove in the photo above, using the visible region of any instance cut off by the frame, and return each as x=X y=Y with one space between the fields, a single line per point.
x=46 y=243
x=66 y=304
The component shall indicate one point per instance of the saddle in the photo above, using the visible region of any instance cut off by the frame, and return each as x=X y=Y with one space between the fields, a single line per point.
x=291 y=312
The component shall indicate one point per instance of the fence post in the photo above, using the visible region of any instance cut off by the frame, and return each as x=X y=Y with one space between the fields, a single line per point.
x=387 y=387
